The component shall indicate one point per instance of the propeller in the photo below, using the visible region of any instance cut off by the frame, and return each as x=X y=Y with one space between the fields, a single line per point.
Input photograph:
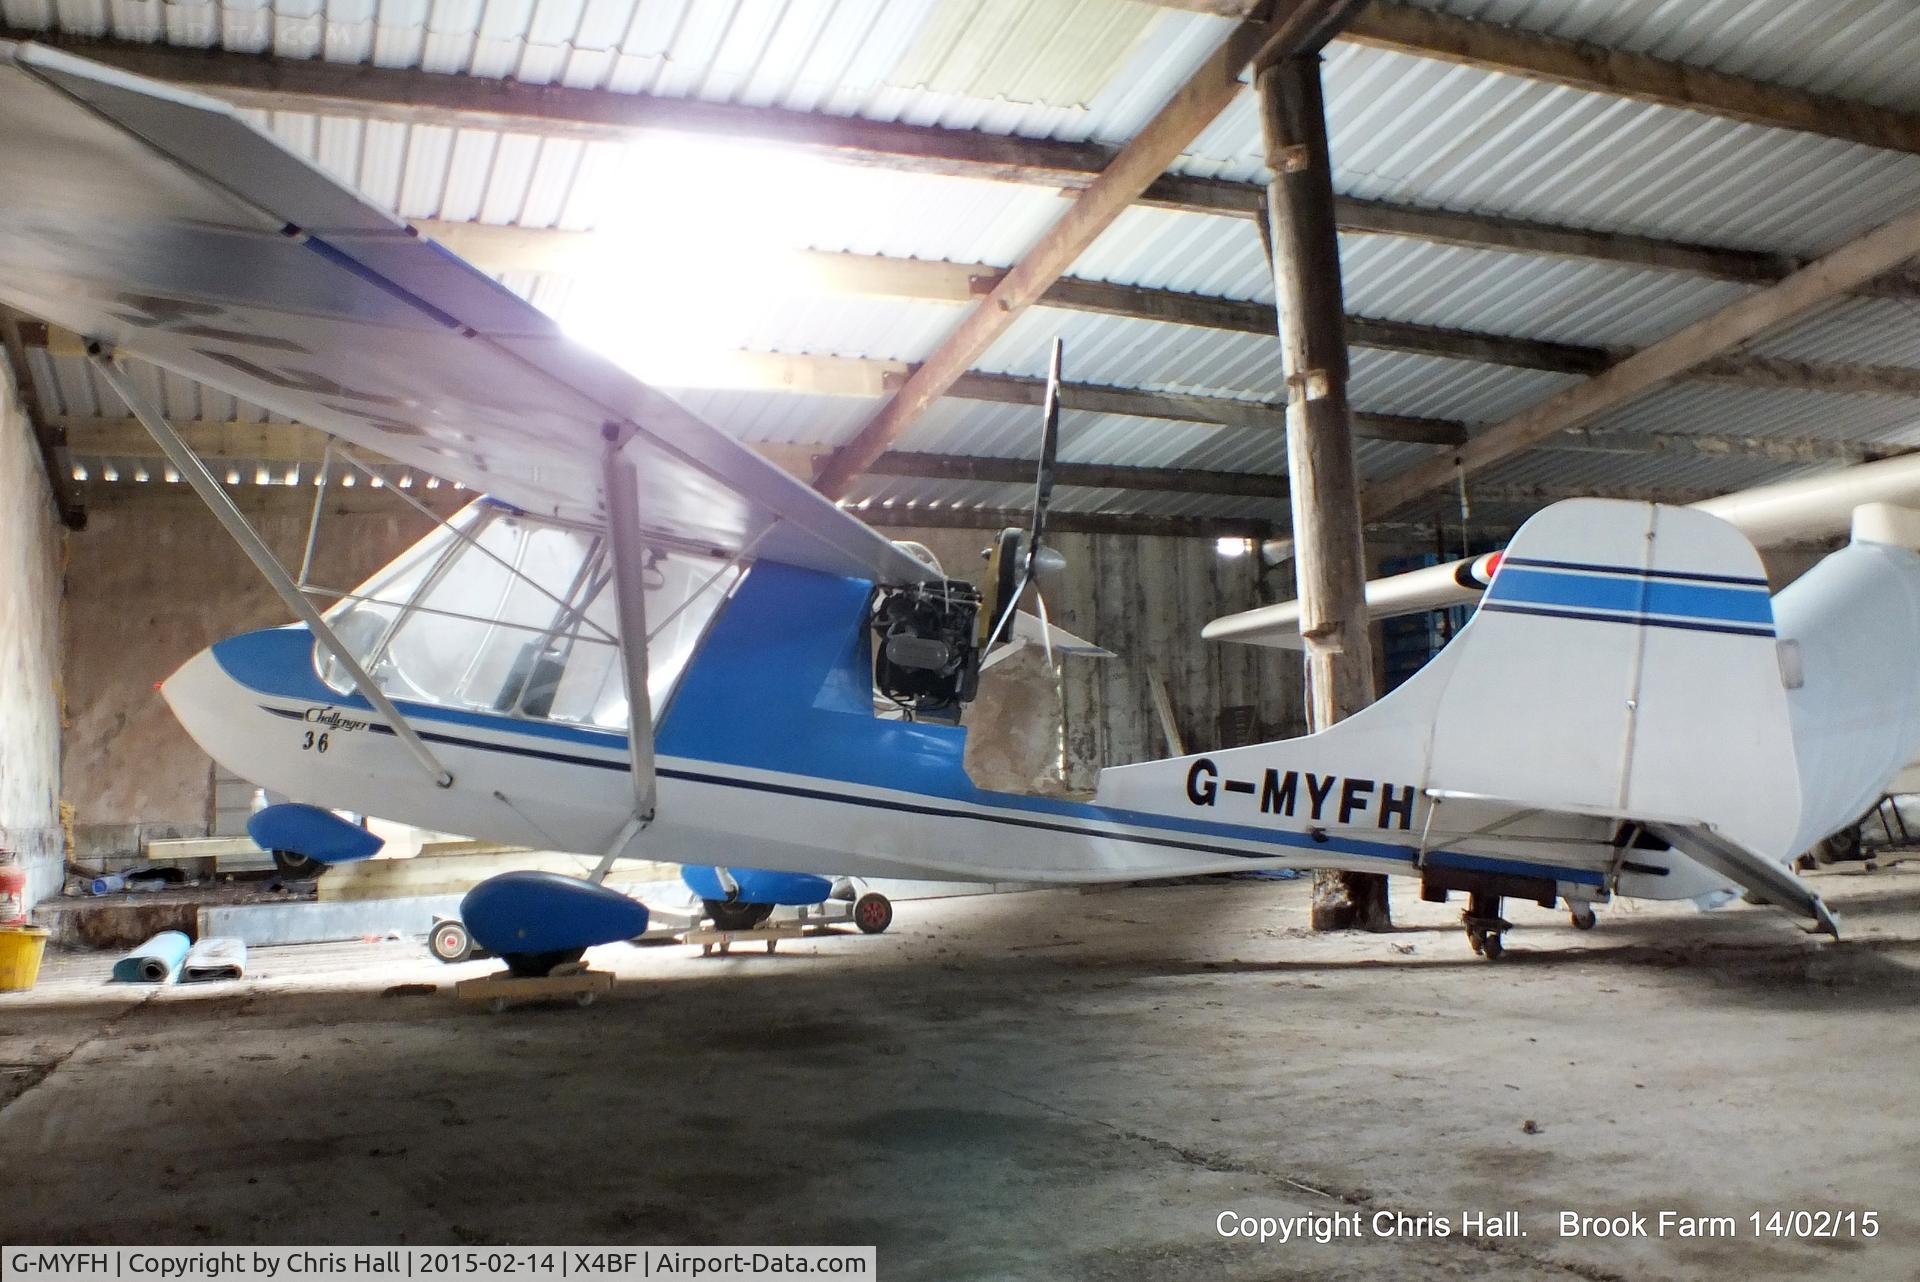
x=1020 y=561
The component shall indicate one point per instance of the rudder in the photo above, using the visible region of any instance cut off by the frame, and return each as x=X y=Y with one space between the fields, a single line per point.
x=1623 y=661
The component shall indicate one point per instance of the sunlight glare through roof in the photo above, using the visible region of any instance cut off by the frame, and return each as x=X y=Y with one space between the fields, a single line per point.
x=695 y=252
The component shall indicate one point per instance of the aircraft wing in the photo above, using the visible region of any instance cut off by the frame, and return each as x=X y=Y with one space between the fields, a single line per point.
x=1433 y=588
x=1814 y=507
x=162 y=225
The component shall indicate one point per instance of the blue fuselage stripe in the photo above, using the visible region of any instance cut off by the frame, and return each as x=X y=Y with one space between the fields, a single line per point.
x=1293 y=840
x=279 y=663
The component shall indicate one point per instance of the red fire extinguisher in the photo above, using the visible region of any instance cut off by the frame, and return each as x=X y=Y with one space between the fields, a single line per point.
x=13 y=890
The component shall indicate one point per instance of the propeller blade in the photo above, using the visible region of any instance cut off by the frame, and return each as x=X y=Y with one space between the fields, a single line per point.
x=1046 y=629
x=1042 y=495
x=1049 y=447
x=1013 y=608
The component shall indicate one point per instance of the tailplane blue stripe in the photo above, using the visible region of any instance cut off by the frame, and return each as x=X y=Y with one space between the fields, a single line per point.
x=1582 y=591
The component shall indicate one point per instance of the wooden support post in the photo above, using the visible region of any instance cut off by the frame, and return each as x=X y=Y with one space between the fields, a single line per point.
x=1329 y=554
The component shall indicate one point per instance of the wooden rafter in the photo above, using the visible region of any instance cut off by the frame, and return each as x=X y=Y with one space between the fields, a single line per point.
x=1835 y=273
x=1296 y=27
x=1625 y=74
x=287 y=444
x=1576 y=64
x=469 y=102
x=963 y=282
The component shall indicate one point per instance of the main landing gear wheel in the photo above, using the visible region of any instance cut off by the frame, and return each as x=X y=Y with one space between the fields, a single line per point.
x=539 y=965
x=450 y=942
x=1582 y=916
x=1485 y=927
x=734 y=915
x=296 y=867
x=873 y=913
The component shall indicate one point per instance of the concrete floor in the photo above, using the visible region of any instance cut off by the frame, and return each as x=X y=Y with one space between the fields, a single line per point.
x=1052 y=1085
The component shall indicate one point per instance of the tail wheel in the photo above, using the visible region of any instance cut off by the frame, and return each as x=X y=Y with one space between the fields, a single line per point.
x=872 y=913
x=450 y=942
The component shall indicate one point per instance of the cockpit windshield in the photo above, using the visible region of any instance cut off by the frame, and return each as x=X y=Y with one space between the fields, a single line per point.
x=502 y=612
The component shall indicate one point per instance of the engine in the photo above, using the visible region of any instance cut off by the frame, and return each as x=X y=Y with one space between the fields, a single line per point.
x=926 y=655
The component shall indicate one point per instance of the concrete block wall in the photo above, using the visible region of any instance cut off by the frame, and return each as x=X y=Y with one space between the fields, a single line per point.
x=31 y=550
x=152 y=582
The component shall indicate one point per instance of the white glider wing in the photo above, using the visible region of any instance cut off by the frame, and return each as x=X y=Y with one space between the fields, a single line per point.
x=162 y=225
x=1810 y=508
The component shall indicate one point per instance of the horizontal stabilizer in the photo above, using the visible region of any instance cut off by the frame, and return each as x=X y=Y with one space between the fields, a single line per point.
x=1027 y=629
x=1766 y=880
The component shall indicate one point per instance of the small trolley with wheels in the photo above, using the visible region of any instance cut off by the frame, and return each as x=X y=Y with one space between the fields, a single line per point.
x=738 y=906
x=452 y=942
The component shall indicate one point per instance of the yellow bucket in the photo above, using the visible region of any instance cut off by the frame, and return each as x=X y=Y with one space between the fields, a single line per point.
x=21 y=948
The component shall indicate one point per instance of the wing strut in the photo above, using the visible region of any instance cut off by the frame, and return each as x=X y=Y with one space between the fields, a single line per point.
x=627 y=549
x=222 y=506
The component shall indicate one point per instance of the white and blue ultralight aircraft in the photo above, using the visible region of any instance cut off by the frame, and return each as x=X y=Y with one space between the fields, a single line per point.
x=647 y=641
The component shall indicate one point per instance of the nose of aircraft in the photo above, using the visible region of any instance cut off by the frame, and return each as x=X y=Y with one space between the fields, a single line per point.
x=190 y=691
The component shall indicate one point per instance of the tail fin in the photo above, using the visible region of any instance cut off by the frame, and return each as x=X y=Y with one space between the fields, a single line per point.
x=1623 y=661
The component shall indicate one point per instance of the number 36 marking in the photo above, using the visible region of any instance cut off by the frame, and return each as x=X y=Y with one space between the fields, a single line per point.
x=313 y=742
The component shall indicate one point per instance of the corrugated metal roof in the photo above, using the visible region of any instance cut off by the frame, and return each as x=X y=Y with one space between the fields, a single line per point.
x=1741 y=411
x=1423 y=132
x=1404 y=129
x=837 y=57
x=1868 y=331
x=1863 y=50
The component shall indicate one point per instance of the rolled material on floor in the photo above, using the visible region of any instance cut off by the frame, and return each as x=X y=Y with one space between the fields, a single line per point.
x=155 y=962
x=223 y=958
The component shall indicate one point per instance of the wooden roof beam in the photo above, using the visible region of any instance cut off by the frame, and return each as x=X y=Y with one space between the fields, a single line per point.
x=1213 y=411
x=289 y=443
x=1707 y=339
x=1779 y=449
x=944 y=517
x=1621 y=73
x=471 y=102
x=962 y=282
x=1296 y=27
x=1545 y=495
